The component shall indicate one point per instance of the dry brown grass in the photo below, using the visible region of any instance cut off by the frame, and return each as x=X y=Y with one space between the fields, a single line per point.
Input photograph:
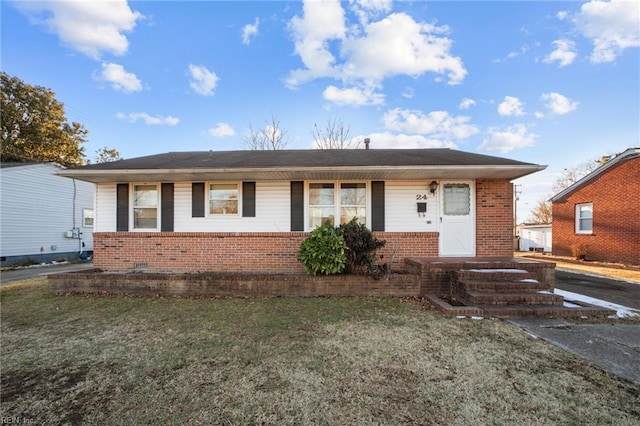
x=116 y=360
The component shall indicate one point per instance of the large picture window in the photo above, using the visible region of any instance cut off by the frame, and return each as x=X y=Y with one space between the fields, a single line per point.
x=223 y=199
x=584 y=218
x=331 y=200
x=145 y=206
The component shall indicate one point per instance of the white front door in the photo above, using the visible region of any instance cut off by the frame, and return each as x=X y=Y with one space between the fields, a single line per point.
x=457 y=218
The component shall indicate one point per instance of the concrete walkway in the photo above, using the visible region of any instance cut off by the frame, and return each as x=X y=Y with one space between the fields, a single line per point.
x=612 y=347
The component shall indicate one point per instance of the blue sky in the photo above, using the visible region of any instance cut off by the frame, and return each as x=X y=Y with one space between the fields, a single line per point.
x=554 y=83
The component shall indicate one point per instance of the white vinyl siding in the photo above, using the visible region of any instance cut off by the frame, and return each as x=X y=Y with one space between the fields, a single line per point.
x=272 y=211
x=105 y=213
x=401 y=209
x=37 y=209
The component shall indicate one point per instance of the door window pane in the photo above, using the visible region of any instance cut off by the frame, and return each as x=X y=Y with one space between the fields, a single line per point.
x=457 y=199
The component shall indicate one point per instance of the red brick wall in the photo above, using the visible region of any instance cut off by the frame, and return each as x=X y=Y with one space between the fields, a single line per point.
x=615 y=195
x=494 y=218
x=228 y=252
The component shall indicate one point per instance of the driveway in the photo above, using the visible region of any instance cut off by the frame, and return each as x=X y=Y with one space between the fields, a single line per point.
x=36 y=271
x=599 y=287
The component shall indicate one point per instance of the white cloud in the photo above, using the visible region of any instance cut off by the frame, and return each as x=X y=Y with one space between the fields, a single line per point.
x=564 y=54
x=398 y=45
x=90 y=27
x=558 y=104
x=611 y=26
x=149 y=120
x=436 y=123
x=119 y=78
x=369 y=52
x=249 y=31
x=508 y=139
x=367 y=9
x=404 y=141
x=466 y=103
x=562 y=15
x=510 y=106
x=408 y=93
x=203 y=81
x=221 y=130
x=321 y=22
x=353 y=96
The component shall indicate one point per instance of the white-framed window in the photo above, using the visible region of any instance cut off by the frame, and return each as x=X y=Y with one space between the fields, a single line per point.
x=584 y=218
x=145 y=206
x=87 y=218
x=330 y=200
x=224 y=199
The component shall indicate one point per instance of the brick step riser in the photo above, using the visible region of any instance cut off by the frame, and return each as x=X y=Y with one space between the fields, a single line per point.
x=501 y=287
x=493 y=276
x=510 y=299
x=541 y=311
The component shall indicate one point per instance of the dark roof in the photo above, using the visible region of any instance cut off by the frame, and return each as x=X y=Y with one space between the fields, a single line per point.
x=302 y=164
x=627 y=155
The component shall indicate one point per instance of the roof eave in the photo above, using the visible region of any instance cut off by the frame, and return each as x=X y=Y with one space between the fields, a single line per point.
x=305 y=173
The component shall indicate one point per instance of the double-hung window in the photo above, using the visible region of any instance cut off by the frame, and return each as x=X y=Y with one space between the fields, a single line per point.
x=223 y=199
x=331 y=200
x=145 y=206
x=584 y=218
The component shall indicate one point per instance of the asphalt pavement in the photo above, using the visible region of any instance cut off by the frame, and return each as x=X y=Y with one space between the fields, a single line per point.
x=11 y=275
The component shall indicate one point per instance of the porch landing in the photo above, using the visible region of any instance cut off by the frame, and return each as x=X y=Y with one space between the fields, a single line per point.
x=497 y=287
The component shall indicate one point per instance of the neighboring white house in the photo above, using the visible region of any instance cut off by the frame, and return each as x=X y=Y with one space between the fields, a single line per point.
x=44 y=216
x=535 y=237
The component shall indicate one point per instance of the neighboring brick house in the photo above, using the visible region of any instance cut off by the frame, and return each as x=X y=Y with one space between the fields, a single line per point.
x=600 y=213
x=250 y=210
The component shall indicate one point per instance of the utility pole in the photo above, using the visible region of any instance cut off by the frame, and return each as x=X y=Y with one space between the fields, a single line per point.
x=516 y=196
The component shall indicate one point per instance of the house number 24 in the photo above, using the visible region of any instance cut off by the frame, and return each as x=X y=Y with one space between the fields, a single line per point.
x=421 y=196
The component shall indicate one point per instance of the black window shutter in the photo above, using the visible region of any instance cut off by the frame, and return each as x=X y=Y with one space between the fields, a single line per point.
x=377 y=205
x=122 y=207
x=166 y=205
x=197 y=199
x=248 y=199
x=297 y=206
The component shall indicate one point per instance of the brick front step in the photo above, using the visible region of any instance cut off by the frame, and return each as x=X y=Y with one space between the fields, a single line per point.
x=494 y=274
x=502 y=298
x=544 y=311
x=532 y=286
x=505 y=311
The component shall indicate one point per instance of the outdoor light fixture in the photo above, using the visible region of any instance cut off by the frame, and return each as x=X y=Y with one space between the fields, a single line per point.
x=433 y=186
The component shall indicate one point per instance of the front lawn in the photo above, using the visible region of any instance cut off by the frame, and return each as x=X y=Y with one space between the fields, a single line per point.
x=336 y=361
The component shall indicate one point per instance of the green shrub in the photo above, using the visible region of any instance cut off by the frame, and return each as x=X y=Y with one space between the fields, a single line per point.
x=323 y=252
x=361 y=247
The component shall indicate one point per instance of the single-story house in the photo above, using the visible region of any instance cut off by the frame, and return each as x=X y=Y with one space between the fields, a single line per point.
x=598 y=217
x=535 y=237
x=250 y=210
x=43 y=216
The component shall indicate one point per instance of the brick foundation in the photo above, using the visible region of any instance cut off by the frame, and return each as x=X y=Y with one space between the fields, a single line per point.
x=266 y=253
x=233 y=285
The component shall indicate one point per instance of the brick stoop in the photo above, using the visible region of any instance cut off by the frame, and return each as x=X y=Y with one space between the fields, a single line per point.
x=507 y=293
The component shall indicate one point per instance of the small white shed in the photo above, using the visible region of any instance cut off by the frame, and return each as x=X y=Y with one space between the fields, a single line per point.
x=535 y=237
x=43 y=217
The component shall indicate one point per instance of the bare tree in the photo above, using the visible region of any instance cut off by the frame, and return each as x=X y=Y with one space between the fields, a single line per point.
x=573 y=174
x=541 y=213
x=334 y=135
x=271 y=137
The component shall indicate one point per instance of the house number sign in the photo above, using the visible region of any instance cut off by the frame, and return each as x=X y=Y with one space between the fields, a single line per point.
x=421 y=196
